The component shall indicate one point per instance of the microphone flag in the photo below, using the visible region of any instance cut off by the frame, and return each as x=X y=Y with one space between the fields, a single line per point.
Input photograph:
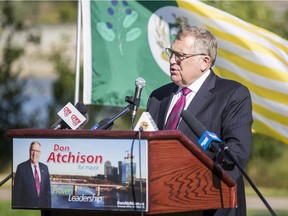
x=206 y=138
x=146 y=123
x=71 y=116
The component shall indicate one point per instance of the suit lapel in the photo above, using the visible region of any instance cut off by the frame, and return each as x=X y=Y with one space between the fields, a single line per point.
x=31 y=178
x=200 y=99
x=203 y=95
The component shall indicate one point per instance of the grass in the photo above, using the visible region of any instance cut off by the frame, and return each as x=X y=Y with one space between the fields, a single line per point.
x=266 y=213
x=278 y=192
x=5 y=205
x=5 y=209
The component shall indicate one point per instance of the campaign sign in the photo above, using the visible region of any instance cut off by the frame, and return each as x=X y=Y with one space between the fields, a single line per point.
x=92 y=174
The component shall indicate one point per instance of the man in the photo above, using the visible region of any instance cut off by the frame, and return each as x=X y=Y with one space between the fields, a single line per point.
x=222 y=106
x=32 y=183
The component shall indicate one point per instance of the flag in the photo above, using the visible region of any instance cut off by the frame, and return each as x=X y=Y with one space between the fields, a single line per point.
x=127 y=39
x=117 y=51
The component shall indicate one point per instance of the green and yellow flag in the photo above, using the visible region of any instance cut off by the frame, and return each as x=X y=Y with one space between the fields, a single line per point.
x=124 y=40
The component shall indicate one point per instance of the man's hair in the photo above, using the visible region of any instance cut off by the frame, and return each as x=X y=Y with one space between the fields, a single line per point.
x=34 y=142
x=205 y=42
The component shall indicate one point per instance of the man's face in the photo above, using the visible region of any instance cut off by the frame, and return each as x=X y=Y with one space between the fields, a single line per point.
x=184 y=71
x=35 y=152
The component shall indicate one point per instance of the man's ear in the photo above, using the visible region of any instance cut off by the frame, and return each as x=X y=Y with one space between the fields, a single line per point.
x=206 y=62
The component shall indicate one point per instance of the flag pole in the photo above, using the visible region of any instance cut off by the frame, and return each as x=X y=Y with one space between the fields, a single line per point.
x=77 y=66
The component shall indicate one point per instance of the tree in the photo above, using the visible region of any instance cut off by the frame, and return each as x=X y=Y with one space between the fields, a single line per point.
x=11 y=86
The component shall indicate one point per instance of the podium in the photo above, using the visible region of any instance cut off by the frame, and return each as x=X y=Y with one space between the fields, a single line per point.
x=182 y=180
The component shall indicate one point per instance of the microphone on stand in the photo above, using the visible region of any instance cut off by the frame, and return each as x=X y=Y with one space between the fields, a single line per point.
x=104 y=124
x=107 y=123
x=140 y=84
x=208 y=140
x=71 y=117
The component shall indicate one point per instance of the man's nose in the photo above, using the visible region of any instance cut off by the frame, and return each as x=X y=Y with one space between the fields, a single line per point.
x=173 y=60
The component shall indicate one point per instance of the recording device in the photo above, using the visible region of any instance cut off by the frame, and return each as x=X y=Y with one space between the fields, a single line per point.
x=140 y=84
x=71 y=117
x=208 y=140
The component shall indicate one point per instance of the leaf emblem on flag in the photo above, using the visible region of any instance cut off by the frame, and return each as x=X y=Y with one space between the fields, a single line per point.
x=110 y=30
x=163 y=26
x=105 y=31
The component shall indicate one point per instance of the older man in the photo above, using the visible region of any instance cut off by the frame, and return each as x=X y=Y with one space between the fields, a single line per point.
x=32 y=183
x=223 y=106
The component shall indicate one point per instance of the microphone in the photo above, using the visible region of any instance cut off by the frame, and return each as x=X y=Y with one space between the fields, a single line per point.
x=146 y=123
x=208 y=140
x=140 y=84
x=80 y=106
x=104 y=124
x=85 y=122
x=79 y=117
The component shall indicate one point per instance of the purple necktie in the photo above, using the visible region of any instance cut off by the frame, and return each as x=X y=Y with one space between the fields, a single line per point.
x=174 y=116
x=37 y=180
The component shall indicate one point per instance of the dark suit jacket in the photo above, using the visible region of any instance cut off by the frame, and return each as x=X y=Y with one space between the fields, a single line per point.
x=223 y=107
x=24 y=188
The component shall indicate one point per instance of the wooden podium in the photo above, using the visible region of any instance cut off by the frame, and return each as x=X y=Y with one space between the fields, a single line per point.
x=182 y=179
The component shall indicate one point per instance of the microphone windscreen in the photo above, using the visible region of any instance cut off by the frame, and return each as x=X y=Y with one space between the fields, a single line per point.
x=196 y=126
x=140 y=82
x=80 y=106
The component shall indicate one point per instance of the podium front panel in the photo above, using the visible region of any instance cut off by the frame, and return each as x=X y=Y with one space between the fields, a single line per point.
x=86 y=174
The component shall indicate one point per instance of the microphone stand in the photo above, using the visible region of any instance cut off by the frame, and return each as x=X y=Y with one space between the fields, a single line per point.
x=126 y=109
x=226 y=149
x=6 y=179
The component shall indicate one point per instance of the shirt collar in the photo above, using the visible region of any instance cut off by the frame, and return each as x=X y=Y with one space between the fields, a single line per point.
x=195 y=86
x=37 y=164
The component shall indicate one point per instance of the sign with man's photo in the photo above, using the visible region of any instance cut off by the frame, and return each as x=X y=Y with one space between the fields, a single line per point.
x=92 y=174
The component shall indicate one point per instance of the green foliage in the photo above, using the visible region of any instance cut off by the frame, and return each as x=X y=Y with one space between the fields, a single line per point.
x=266 y=148
x=268 y=157
x=43 y=12
x=5 y=209
x=11 y=86
x=63 y=86
x=265 y=212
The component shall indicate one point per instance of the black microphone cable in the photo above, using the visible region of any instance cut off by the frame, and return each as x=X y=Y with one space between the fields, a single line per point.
x=138 y=133
x=140 y=168
x=226 y=149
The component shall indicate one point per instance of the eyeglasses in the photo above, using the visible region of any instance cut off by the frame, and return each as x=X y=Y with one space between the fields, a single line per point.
x=35 y=151
x=180 y=56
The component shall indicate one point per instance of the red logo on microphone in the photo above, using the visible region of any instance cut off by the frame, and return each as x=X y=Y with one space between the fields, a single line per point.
x=75 y=120
x=67 y=111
